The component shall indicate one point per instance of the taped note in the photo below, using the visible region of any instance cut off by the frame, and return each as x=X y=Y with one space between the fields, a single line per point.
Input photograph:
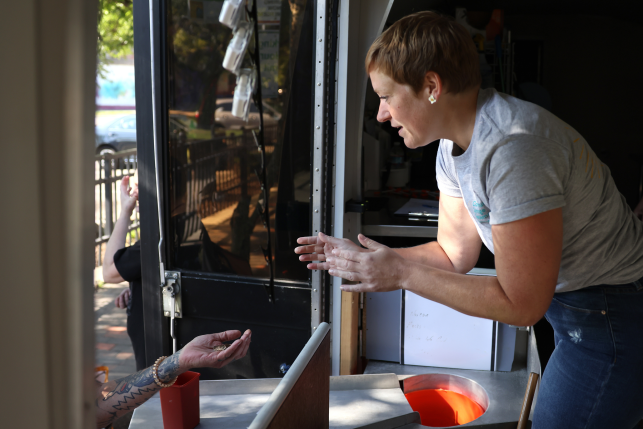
x=436 y=335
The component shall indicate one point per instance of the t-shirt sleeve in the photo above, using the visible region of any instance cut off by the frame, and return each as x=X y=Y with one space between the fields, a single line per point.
x=445 y=173
x=526 y=176
x=128 y=262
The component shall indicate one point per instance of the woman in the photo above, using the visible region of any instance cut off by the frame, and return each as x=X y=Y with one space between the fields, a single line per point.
x=123 y=263
x=517 y=178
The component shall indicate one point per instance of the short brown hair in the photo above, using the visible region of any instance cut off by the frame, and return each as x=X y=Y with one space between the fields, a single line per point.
x=423 y=42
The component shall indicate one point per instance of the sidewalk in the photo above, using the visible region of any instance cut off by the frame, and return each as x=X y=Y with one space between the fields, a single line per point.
x=113 y=346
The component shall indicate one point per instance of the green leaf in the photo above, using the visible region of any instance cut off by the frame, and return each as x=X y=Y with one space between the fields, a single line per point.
x=115 y=31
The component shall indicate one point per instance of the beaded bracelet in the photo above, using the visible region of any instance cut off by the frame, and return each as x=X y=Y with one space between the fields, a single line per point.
x=155 y=373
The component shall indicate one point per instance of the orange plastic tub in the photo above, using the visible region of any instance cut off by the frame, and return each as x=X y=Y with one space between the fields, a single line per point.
x=441 y=408
x=445 y=400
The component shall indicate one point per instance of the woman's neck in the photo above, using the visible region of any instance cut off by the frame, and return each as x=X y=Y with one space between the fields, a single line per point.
x=462 y=109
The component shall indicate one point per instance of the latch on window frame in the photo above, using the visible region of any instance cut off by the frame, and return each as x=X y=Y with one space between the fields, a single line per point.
x=172 y=307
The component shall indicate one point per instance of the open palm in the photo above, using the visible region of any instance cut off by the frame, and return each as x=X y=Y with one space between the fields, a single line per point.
x=200 y=351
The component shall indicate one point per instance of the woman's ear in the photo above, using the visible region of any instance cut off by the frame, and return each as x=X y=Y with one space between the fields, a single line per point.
x=432 y=86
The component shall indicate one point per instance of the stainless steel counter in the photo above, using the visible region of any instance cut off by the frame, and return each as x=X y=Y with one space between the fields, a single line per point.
x=373 y=400
x=505 y=390
x=355 y=400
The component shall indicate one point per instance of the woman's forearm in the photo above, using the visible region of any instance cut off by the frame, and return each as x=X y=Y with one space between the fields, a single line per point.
x=117 y=397
x=429 y=254
x=478 y=296
x=114 y=244
x=117 y=238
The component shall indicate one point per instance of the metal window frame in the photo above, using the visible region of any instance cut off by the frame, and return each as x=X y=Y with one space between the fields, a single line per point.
x=148 y=100
x=360 y=22
x=150 y=128
x=323 y=150
x=320 y=129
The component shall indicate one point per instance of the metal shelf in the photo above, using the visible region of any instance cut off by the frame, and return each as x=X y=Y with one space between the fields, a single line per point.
x=400 y=231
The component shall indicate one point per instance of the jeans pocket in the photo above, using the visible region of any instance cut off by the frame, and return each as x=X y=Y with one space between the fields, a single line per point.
x=573 y=305
x=584 y=322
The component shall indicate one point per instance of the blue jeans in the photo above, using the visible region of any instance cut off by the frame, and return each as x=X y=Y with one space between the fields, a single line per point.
x=594 y=378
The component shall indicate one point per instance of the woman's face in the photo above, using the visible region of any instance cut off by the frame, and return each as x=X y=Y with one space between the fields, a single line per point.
x=410 y=113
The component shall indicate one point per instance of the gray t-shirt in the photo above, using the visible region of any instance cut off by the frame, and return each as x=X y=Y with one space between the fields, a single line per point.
x=522 y=161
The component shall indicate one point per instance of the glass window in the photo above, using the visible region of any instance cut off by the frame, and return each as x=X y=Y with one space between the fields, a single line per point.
x=215 y=193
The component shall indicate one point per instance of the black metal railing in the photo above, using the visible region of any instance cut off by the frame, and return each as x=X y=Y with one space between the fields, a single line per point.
x=206 y=176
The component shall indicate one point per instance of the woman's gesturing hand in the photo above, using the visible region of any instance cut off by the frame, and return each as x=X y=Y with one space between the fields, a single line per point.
x=314 y=250
x=129 y=195
x=378 y=268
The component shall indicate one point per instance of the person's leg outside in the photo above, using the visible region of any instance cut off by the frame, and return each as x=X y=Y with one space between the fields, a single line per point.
x=135 y=325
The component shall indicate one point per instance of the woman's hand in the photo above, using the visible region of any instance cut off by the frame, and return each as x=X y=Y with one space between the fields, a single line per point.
x=129 y=196
x=377 y=268
x=122 y=300
x=200 y=352
x=314 y=250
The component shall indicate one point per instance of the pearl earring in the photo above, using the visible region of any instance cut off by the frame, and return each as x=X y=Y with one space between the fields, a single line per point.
x=432 y=99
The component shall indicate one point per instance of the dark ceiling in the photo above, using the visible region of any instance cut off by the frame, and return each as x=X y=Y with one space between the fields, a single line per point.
x=626 y=10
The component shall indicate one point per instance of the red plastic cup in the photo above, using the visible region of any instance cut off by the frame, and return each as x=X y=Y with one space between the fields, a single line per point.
x=180 y=402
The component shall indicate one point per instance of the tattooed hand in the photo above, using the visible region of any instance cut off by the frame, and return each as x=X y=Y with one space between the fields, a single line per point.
x=117 y=397
x=200 y=351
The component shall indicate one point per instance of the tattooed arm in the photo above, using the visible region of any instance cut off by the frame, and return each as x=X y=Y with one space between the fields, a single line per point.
x=117 y=397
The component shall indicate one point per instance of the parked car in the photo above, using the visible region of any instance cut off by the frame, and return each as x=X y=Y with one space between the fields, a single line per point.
x=116 y=135
x=120 y=134
x=223 y=117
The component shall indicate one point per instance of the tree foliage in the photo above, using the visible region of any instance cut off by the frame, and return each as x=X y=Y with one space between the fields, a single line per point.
x=115 y=31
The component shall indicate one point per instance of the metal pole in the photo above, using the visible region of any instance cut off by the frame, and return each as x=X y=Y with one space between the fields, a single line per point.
x=155 y=140
x=109 y=216
x=319 y=125
x=157 y=170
